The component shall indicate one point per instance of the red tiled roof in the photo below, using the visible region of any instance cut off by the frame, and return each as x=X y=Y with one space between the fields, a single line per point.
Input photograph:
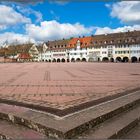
x=24 y=56
x=85 y=42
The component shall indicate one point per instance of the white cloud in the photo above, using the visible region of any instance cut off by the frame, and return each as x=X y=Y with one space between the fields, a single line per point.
x=106 y=30
x=8 y=17
x=50 y=30
x=127 y=11
x=11 y=37
x=28 y=11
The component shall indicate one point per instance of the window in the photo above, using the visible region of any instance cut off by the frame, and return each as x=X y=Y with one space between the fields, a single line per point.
x=103 y=52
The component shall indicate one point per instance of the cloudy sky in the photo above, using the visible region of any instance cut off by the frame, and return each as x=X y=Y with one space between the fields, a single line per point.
x=37 y=20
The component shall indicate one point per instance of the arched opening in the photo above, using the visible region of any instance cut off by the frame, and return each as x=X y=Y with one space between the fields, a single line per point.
x=112 y=60
x=125 y=59
x=78 y=60
x=134 y=59
x=42 y=60
x=84 y=60
x=63 y=60
x=118 y=59
x=72 y=60
x=139 y=59
x=54 y=60
x=46 y=60
x=68 y=60
x=105 y=59
x=98 y=59
x=58 y=60
x=49 y=60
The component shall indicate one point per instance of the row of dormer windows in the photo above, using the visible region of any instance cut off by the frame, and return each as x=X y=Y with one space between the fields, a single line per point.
x=105 y=42
x=58 y=46
x=112 y=41
x=97 y=43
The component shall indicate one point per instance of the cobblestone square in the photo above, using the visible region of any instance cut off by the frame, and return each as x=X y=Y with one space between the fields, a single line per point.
x=63 y=85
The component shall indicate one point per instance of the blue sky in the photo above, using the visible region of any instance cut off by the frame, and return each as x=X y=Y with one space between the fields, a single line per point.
x=47 y=20
x=87 y=13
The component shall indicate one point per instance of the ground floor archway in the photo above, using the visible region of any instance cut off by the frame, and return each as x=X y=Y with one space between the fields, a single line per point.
x=134 y=59
x=49 y=60
x=105 y=59
x=46 y=60
x=125 y=59
x=84 y=60
x=68 y=60
x=54 y=60
x=118 y=59
x=78 y=60
x=63 y=60
x=72 y=60
x=58 y=60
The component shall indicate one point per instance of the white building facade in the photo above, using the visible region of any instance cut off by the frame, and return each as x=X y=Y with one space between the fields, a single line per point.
x=118 y=47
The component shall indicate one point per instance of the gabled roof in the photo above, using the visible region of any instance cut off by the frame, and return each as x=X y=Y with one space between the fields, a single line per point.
x=52 y=44
x=85 y=42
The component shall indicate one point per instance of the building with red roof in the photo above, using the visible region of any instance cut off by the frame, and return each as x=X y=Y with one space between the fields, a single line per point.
x=118 y=47
x=24 y=57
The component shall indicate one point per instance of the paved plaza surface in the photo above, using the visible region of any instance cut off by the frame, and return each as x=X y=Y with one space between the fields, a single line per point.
x=64 y=85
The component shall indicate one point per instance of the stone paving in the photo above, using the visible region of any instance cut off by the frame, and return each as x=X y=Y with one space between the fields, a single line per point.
x=63 y=85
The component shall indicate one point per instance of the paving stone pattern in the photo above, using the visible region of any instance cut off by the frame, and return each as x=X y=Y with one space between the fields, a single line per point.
x=63 y=85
